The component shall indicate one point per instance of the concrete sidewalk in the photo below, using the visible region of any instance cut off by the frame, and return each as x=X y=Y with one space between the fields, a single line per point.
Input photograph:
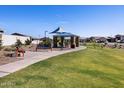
x=31 y=58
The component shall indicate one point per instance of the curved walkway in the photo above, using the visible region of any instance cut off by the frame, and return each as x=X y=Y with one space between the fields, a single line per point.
x=31 y=58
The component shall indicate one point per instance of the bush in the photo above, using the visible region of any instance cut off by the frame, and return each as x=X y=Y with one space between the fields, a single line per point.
x=9 y=49
x=13 y=46
x=18 y=43
x=28 y=42
x=45 y=43
x=93 y=45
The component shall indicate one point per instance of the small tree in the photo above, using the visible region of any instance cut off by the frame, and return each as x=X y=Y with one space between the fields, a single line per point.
x=46 y=43
x=28 y=42
x=18 y=43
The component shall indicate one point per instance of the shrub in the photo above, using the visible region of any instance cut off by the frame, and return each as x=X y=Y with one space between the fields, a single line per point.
x=45 y=43
x=9 y=49
x=28 y=42
x=94 y=45
x=18 y=43
x=13 y=46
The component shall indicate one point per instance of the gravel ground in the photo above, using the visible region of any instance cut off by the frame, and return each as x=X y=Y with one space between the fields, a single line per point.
x=6 y=60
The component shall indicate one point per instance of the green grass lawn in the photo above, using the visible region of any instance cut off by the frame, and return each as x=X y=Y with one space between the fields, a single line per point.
x=86 y=68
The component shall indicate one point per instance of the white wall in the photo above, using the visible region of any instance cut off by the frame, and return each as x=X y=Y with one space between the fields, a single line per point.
x=35 y=41
x=11 y=39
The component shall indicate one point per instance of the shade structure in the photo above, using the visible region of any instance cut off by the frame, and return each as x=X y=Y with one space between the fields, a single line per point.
x=59 y=32
x=74 y=39
x=56 y=30
x=64 y=34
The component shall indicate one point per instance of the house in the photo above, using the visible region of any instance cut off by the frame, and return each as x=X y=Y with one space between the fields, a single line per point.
x=35 y=40
x=7 y=40
x=98 y=39
x=1 y=32
x=119 y=38
x=83 y=39
x=111 y=39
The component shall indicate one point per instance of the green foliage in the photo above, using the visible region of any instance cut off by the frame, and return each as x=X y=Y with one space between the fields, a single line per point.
x=94 y=45
x=28 y=42
x=46 y=43
x=9 y=49
x=18 y=43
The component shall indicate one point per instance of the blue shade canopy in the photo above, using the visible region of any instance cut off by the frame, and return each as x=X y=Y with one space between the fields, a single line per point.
x=59 y=29
x=58 y=32
x=64 y=34
x=55 y=31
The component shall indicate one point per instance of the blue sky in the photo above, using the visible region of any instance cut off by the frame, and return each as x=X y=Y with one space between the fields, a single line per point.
x=81 y=20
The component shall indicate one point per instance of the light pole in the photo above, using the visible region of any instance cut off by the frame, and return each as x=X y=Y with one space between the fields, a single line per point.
x=45 y=33
x=45 y=36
